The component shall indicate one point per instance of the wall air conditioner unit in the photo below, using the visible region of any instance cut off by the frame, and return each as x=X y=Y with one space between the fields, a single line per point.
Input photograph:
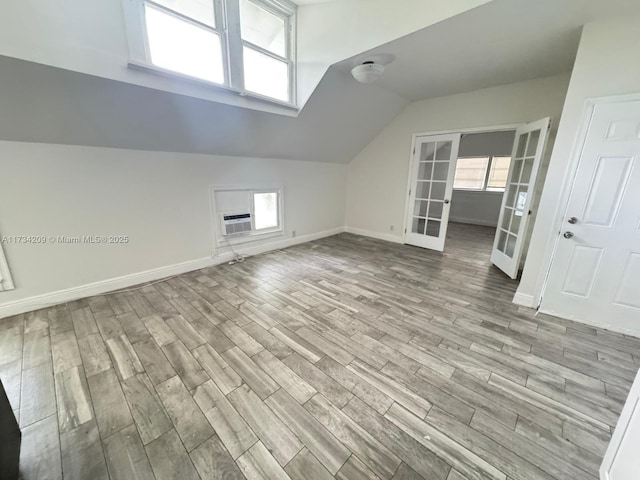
x=235 y=224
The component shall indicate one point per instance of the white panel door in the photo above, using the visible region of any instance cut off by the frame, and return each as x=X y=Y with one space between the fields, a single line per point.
x=518 y=196
x=595 y=272
x=432 y=170
x=621 y=461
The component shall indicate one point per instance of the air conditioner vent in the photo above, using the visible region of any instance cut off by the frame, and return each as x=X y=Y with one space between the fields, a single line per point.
x=236 y=224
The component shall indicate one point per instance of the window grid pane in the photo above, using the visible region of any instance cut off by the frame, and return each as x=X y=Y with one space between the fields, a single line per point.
x=265 y=210
x=263 y=28
x=498 y=173
x=200 y=10
x=471 y=173
x=183 y=47
x=265 y=75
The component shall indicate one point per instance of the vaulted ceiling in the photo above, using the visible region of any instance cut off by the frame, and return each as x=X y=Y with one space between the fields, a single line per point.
x=500 y=42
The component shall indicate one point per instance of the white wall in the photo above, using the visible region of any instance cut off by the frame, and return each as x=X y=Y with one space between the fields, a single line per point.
x=160 y=200
x=606 y=64
x=377 y=176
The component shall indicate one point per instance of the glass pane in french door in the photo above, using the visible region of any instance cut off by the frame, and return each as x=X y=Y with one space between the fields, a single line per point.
x=431 y=185
x=516 y=191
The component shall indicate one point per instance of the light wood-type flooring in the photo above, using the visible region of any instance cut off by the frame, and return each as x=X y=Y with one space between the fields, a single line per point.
x=346 y=358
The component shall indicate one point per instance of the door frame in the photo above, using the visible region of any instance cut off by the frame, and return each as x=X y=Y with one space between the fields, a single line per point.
x=462 y=131
x=567 y=187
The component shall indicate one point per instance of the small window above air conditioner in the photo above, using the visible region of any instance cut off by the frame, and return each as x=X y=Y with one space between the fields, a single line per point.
x=235 y=224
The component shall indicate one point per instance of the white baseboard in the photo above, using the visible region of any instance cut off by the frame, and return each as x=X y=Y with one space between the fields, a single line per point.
x=370 y=233
x=605 y=325
x=474 y=221
x=103 y=286
x=524 y=300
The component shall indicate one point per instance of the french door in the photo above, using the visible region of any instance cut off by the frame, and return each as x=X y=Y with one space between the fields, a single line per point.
x=432 y=170
x=595 y=272
x=511 y=233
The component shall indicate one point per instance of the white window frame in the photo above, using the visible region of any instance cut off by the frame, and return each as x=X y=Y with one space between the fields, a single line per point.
x=227 y=19
x=254 y=235
x=487 y=173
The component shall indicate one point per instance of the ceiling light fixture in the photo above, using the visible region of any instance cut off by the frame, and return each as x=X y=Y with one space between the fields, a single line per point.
x=368 y=72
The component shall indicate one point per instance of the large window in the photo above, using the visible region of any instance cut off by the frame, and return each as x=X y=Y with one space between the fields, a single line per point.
x=482 y=173
x=244 y=45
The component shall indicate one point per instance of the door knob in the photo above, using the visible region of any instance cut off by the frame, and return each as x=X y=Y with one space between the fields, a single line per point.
x=567 y=234
x=446 y=201
x=572 y=220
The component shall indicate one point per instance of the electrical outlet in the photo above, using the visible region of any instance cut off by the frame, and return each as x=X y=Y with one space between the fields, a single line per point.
x=391 y=228
x=293 y=234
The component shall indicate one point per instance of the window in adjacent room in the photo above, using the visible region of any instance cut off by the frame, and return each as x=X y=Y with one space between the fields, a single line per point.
x=244 y=45
x=482 y=173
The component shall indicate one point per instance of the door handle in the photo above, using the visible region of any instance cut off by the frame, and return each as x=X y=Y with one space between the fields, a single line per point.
x=573 y=220
x=567 y=234
x=446 y=201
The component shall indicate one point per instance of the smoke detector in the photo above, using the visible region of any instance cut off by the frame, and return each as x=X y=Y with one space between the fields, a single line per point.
x=368 y=72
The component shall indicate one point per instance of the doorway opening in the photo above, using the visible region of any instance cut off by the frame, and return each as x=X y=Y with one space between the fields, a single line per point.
x=486 y=177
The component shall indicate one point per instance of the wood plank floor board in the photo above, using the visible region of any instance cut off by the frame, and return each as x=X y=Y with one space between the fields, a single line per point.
x=319 y=380
x=40 y=455
x=542 y=458
x=185 y=364
x=234 y=432
x=93 y=352
x=189 y=421
x=305 y=466
x=154 y=361
x=407 y=448
x=284 y=376
x=125 y=360
x=109 y=405
x=38 y=398
x=451 y=404
x=257 y=378
x=126 y=457
x=275 y=435
x=133 y=327
x=225 y=377
x=390 y=387
x=376 y=456
x=213 y=462
x=265 y=338
x=159 y=330
x=148 y=413
x=473 y=466
x=65 y=351
x=258 y=464
x=316 y=361
x=74 y=401
x=169 y=459
x=36 y=348
x=326 y=448
x=492 y=452
x=362 y=389
x=82 y=453
x=355 y=469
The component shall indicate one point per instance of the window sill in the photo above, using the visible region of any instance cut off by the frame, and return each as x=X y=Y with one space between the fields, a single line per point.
x=471 y=190
x=252 y=237
x=221 y=93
